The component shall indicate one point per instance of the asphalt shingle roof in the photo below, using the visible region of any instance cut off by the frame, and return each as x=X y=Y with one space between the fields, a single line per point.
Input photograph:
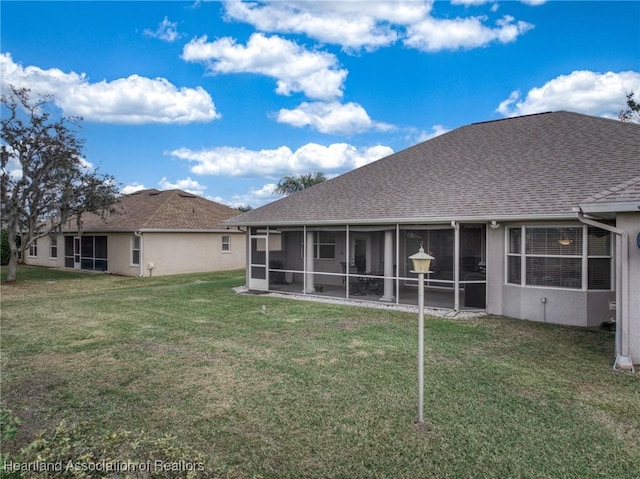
x=530 y=166
x=161 y=210
x=627 y=191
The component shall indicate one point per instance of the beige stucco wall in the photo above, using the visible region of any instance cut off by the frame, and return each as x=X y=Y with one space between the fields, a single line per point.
x=44 y=254
x=170 y=253
x=119 y=254
x=174 y=253
x=630 y=222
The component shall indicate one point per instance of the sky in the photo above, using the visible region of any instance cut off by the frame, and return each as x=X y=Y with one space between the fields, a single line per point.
x=224 y=98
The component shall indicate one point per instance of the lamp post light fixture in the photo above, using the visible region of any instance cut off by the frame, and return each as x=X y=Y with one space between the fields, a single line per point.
x=421 y=263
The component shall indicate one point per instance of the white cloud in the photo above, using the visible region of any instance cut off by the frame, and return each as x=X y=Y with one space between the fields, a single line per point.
x=343 y=23
x=257 y=196
x=332 y=117
x=132 y=100
x=451 y=34
x=600 y=94
x=314 y=73
x=132 y=188
x=230 y=161
x=436 y=130
x=188 y=185
x=534 y=3
x=378 y=25
x=86 y=165
x=166 y=31
x=470 y=2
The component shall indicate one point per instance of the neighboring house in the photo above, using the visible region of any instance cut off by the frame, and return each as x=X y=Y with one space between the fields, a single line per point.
x=534 y=217
x=152 y=233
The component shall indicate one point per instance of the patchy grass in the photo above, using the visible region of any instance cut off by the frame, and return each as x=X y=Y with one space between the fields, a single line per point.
x=309 y=390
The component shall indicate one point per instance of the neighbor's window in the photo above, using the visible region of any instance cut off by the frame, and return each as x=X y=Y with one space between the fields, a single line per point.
x=226 y=244
x=33 y=248
x=554 y=257
x=53 y=246
x=135 y=251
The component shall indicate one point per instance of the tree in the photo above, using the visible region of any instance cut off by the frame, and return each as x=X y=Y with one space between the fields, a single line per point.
x=631 y=114
x=244 y=208
x=45 y=181
x=5 y=253
x=292 y=184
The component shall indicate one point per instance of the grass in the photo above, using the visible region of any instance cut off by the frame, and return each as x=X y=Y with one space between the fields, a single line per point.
x=306 y=390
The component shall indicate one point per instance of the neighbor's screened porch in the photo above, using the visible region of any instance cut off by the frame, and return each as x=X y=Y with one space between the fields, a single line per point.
x=372 y=262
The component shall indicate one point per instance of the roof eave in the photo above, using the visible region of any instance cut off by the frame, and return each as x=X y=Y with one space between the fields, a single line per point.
x=417 y=220
x=225 y=229
x=611 y=207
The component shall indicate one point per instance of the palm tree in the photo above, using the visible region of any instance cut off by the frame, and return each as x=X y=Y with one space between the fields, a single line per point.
x=292 y=184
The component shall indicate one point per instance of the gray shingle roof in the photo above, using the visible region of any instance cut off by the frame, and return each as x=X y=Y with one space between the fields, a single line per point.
x=530 y=166
x=623 y=192
x=160 y=210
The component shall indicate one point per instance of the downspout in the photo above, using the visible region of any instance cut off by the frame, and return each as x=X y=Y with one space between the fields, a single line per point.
x=623 y=361
x=141 y=266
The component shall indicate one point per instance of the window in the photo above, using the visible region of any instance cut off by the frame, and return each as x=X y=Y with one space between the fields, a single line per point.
x=324 y=245
x=599 y=259
x=33 y=248
x=226 y=243
x=555 y=257
x=135 y=250
x=514 y=256
x=53 y=246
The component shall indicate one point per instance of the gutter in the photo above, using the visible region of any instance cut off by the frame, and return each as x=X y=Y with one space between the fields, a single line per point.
x=623 y=361
x=409 y=221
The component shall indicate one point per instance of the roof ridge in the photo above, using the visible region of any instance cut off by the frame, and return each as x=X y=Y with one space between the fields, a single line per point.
x=613 y=190
x=514 y=117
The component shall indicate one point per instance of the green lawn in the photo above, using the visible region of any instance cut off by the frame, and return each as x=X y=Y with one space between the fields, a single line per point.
x=181 y=368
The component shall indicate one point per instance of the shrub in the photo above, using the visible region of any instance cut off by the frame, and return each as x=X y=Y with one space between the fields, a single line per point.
x=8 y=429
x=71 y=451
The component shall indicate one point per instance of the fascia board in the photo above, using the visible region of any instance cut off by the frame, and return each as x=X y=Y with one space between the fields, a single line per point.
x=229 y=230
x=427 y=220
x=617 y=207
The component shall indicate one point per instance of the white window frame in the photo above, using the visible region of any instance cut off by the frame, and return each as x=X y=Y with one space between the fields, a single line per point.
x=584 y=257
x=33 y=249
x=135 y=248
x=317 y=246
x=226 y=244
x=53 y=247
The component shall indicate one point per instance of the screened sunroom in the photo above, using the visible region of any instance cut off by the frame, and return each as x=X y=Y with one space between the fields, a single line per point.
x=371 y=262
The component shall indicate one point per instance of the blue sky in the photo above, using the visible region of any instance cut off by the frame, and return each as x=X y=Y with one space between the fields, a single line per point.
x=224 y=98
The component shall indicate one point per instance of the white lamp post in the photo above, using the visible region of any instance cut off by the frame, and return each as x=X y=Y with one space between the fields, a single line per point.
x=421 y=264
